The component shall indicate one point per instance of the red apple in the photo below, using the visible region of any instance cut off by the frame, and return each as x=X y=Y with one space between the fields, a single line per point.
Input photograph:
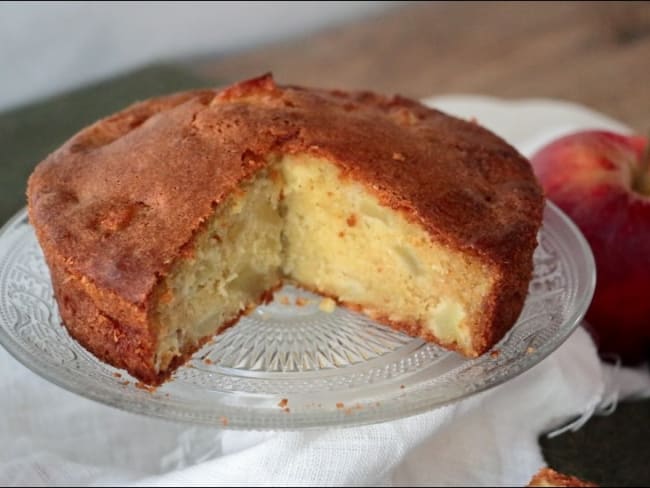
x=602 y=181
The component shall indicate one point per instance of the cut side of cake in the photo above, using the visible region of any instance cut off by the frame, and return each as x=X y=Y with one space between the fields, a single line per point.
x=342 y=242
x=166 y=222
x=236 y=260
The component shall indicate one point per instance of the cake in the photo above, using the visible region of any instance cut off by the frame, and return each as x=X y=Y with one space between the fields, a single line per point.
x=164 y=223
x=550 y=477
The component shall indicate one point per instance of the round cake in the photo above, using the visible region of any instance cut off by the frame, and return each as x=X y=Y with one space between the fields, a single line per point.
x=165 y=222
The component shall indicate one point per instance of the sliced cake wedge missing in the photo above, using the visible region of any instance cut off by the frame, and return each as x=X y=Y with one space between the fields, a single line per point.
x=164 y=223
x=342 y=242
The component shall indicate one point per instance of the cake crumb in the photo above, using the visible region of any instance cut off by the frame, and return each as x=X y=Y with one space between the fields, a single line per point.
x=124 y=383
x=208 y=361
x=401 y=387
x=284 y=300
x=340 y=405
x=398 y=156
x=116 y=336
x=530 y=350
x=223 y=420
x=142 y=386
x=301 y=302
x=283 y=403
x=287 y=410
x=327 y=305
x=117 y=375
x=167 y=297
x=351 y=220
x=495 y=354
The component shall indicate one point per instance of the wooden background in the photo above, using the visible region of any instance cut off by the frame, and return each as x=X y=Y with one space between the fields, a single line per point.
x=594 y=53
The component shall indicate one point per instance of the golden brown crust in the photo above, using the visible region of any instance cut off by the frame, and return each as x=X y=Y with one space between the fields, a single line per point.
x=550 y=477
x=122 y=199
x=118 y=342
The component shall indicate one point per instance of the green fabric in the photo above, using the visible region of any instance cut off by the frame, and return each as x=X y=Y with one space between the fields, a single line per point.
x=29 y=133
x=609 y=450
x=612 y=450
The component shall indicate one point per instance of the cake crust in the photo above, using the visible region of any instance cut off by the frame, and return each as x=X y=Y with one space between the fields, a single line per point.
x=118 y=203
x=550 y=477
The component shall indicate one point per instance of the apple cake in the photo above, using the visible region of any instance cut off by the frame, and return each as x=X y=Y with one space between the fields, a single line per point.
x=165 y=222
x=550 y=477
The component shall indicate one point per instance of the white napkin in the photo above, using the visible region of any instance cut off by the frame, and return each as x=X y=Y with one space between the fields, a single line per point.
x=51 y=437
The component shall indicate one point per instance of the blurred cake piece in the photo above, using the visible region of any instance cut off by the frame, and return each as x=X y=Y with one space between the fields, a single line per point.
x=550 y=477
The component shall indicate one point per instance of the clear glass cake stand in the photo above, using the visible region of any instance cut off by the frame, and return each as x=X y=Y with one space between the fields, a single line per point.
x=291 y=367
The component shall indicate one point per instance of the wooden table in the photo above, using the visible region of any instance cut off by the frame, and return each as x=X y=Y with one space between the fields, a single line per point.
x=597 y=54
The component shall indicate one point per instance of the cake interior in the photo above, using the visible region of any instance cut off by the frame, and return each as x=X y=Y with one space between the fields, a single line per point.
x=302 y=221
x=235 y=260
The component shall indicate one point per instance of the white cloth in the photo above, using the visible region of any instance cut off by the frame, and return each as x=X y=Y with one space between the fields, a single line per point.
x=51 y=437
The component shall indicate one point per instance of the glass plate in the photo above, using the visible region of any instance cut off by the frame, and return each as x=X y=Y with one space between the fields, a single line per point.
x=290 y=365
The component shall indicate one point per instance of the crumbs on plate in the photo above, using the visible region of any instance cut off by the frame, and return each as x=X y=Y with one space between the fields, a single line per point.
x=145 y=387
x=327 y=305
